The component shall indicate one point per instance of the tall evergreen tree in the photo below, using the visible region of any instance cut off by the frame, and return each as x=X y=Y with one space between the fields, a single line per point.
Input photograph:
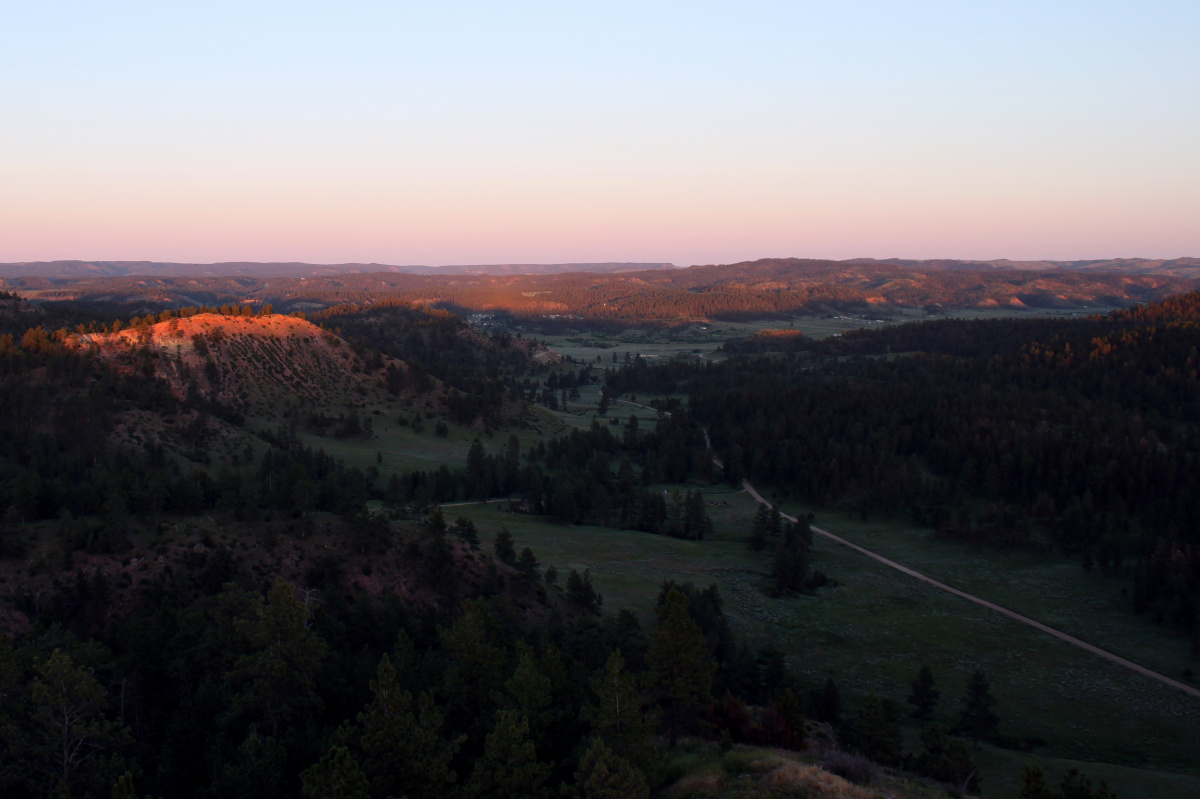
x=976 y=718
x=925 y=694
x=258 y=770
x=876 y=733
x=503 y=547
x=64 y=747
x=760 y=528
x=1033 y=784
x=477 y=666
x=509 y=766
x=527 y=692
x=616 y=714
x=603 y=774
x=681 y=667
x=404 y=752
x=278 y=673
x=336 y=776
x=790 y=570
x=829 y=702
x=946 y=759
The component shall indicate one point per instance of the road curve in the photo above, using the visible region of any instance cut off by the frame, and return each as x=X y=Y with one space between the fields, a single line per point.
x=900 y=567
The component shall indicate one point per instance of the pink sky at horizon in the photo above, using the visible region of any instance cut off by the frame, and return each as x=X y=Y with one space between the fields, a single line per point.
x=463 y=135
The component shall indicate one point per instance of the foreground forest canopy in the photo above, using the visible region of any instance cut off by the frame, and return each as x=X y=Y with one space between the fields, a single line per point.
x=198 y=600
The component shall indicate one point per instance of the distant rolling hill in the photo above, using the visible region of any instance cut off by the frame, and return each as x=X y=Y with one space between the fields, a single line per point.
x=769 y=287
x=1173 y=267
x=84 y=269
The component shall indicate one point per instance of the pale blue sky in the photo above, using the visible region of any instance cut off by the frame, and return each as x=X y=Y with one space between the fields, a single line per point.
x=693 y=133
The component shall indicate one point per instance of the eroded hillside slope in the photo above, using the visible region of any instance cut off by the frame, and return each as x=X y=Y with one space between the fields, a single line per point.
x=253 y=363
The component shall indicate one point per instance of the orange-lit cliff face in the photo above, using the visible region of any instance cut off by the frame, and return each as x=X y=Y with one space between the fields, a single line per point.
x=248 y=362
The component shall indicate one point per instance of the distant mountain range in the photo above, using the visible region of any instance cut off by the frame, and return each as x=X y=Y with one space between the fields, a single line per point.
x=83 y=269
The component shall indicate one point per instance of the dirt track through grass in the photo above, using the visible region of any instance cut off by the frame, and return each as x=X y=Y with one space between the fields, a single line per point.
x=1095 y=650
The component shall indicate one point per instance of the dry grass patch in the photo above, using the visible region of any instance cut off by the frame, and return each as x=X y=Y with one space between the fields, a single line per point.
x=792 y=778
x=704 y=784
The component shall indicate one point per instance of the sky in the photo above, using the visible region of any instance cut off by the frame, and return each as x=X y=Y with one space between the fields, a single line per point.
x=697 y=132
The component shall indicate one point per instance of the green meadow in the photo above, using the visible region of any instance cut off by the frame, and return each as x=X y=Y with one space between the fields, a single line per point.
x=873 y=631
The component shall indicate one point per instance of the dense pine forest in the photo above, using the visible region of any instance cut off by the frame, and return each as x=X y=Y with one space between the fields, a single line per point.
x=1082 y=436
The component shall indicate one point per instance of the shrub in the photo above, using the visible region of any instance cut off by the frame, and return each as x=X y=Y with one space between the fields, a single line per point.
x=856 y=768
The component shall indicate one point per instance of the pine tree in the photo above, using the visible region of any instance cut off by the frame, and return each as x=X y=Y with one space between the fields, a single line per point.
x=527 y=565
x=336 y=776
x=436 y=522
x=829 y=702
x=581 y=593
x=695 y=524
x=503 y=547
x=477 y=666
x=465 y=529
x=791 y=713
x=477 y=471
x=616 y=714
x=681 y=667
x=876 y=732
x=69 y=724
x=257 y=771
x=527 y=692
x=404 y=751
x=774 y=522
x=1076 y=785
x=946 y=758
x=760 y=528
x=603 y=774
x=1033 y=784
x=280 y=671
x=790 y=570
x=976 y=718
x=123 y=789
x=925 y=695
x=509 y=766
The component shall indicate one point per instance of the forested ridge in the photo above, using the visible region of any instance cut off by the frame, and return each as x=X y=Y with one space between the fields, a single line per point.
x=1079 y=435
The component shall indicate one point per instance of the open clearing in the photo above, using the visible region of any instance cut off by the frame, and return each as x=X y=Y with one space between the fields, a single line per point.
x=703 y=338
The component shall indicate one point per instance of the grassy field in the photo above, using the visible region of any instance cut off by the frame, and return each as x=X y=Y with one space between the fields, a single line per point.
x=874 y=630
x=705 y=338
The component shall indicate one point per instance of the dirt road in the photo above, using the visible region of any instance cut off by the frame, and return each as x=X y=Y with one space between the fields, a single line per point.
x=900 y=567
